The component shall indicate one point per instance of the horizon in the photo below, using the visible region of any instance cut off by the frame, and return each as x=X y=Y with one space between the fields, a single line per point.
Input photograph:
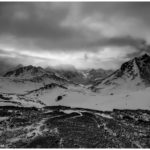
x=71 y=67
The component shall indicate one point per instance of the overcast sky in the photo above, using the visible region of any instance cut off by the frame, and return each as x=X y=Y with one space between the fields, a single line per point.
x=85 y=35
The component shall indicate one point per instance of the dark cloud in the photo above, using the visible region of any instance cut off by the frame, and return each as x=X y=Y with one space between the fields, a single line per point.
x=73 y=27
x=42 y=21
x=118 y=41
x=124 y=9
x=33 y=20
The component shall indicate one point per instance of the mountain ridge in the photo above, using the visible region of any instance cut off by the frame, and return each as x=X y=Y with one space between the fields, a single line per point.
x=136 y=71
x=74 y=75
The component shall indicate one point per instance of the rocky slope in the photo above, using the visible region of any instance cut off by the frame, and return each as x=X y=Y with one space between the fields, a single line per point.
x=132 y=75
x=65 y=127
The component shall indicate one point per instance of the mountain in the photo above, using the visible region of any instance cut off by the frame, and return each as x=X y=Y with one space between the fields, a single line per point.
x=28 y=78
x=35 y=74
x=92 y=75
x=84 y=77
x=62 y=74
x=25 y=72
x=132 y=75
x=72 y=75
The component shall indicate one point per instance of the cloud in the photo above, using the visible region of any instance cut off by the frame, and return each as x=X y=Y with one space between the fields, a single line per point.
x=32 y=20
x=74 y=33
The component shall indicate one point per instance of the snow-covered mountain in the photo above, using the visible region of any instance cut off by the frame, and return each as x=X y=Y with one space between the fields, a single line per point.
x=26 y=72
x=39 y=74
x=92 y=75
x=132 y=75
x=29 y=78
x=85 y=77
x=71 y=74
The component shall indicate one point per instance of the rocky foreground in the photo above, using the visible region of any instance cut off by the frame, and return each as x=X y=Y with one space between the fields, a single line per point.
x=65 y=127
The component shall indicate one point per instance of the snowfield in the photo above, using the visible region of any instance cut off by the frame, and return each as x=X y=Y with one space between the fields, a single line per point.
x=81 y=97
x=87 y=99
x=8 y=85
x=133 y=100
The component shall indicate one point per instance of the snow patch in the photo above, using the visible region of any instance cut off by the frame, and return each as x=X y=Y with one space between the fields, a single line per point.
x=3 y=118
x=105 y=115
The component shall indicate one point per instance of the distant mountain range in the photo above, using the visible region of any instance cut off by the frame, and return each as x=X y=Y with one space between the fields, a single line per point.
x=73 y=75
x=133 y=74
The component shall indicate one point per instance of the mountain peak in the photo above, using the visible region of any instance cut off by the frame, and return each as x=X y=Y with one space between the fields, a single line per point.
x=25 y=71
x=145 y=55
x=133 y=74
x=136 y=62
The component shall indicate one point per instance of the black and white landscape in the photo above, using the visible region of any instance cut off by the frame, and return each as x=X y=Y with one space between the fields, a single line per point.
x=74 y=75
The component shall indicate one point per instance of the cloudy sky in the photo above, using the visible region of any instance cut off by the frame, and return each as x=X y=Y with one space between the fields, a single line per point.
x=85 y=35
